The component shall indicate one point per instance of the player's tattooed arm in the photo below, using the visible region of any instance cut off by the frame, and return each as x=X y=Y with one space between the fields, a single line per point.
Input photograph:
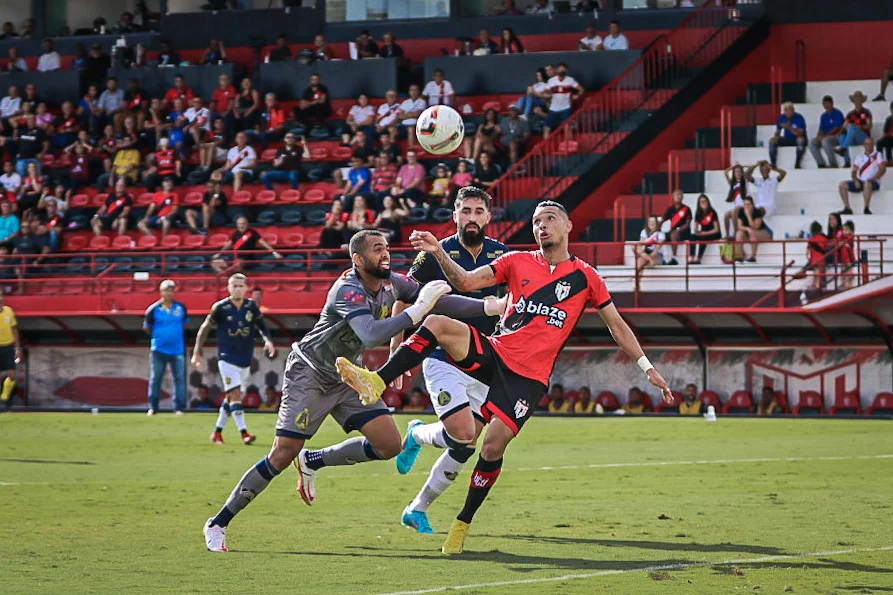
x=459 y=278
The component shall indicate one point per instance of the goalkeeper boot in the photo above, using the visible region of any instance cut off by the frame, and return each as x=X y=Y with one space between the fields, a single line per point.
x=306 y=478
x=416 y=519
x=455 y=541
x=215 y=537
x=411 y=449
x=367 y=383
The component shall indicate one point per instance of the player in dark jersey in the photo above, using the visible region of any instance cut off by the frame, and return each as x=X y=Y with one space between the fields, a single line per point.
x=548 y=291
x=457 y=397
x=238 y=321
x=357 y=315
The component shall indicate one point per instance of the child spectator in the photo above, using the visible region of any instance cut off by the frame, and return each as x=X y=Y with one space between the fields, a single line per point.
x=817 y=251
x=440 y=188
x=357 y=182
x=462 y=177
x=847 y=251
x=43 y=118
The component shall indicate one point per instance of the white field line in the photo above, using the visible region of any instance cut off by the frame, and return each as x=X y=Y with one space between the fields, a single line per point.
x=707 y=462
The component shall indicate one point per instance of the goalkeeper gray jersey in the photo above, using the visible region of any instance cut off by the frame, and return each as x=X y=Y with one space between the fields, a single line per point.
x=332 y=336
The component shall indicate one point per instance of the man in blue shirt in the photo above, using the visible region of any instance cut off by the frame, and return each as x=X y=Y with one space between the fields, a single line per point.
x=790 y=131
x=357 y=182
x=828 y=136
x=165 y=322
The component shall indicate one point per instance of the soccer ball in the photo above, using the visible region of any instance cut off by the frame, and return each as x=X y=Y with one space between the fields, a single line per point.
x=440 y=129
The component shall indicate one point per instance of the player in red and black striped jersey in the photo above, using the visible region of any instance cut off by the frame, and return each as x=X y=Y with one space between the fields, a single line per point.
x=548 y=291
x=679 y=216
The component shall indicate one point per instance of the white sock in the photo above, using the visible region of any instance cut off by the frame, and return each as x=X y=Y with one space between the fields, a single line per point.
x=239 y=416
x=430 y=434
x=222 y=418
x=442 y=475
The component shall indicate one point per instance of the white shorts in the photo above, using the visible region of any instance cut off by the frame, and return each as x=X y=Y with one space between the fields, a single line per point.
x=233 y=376
x=452 y=389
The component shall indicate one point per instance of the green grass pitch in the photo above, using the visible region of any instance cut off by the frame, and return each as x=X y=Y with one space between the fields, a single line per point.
x=115 y=503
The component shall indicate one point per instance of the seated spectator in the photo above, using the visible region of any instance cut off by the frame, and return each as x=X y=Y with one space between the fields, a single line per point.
x=51 y=223
x=485 y=45
x=487 y=137
x=440 y=188
x=387 y=145
x=243 y=243
x=15 y=63
x=388 y=114
x=592 y=41
x=366 y=48
x=558 y=403
x=240 y=162
x=60 y=196
x=10 y=107
x=32 y=144
x=768 y=404
x=361 y=148
x=126 y=24
x=360 y=117
x=587 y=6
x=271 y=400
x=515 y=133
x=9 y=225
x=634 y=402
x=31 y=97
x=537 y=98
x=31 y=247
x=737 y=178
x=418 y=400
x=161 y=165
x=126 y=163
x=49 y=60
x=389 y=48
x=272 y=123
x=584 y=405
x=110 y=105
x=321 y=49
x=202 y=399
x=410 y=110
x=359 y=218
x=248 y=106
x=885 y=144
x=357 y=182
x=98 y=63
x=690 y=404
x=486 y=172
x=439 y=91
x=281 y=53
x=790 y=131
x=11 y=181
x=8 y=32
x=856 y=126
x=213 y=151
x=868 y=168
x=706 y=229
x=257 y=296
x=65 y=127
x=215 y=53
x=42 y=117
x=315 y=105
x=562 y=91
x=615 y=40
x=383 y=178
x=540 y=7
x=88 y=111
x=679 y=215
x=27 y=30
x=80 y=57
x=287 y=164
x=411 y=179
x=32 y=186
x=390 y=219
x=509 y=42
x=828 y=135
x=168 y=56
x=751 y=228
x=649 y=250
x=507 y=9
x=223 y=97
x=333 y=227
x=462 y=177
x=162 y=210
x=136 y=102
x=197 y=125
x=213 y=210
x=175 y=124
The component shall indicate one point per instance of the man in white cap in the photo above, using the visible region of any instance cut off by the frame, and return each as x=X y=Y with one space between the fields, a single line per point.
x=165 y=322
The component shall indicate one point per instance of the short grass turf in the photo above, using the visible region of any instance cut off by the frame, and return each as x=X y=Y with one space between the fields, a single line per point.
x=115 y=503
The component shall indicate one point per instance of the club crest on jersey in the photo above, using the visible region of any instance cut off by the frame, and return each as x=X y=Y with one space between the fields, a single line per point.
x=302 y=419
x=562 y=290
x=521 y=408
x=444 y=398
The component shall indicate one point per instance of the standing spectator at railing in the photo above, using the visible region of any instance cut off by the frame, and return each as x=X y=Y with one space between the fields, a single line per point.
x=562 y=91
x=835 y=232
x=161 y=165
x=649 y=250
x=847 y=250
x=615 y=40
x=828 y=135
x=315 y=104
x=51 y=222
x=111 y=104
x=679 y=216
x=706 y=229
x=65 y=127
x=515 y=133
x=287 y=164
x=360 y=117
x=178 y=91
x=592 y=41
x=240 y=163
x=868 y=168
x=136 y=102
x=751 y=228
x=366 y=47
x=817 y=254
x=213 y=210
x=49 y=60
x=737 y=179
x=767 y=185
x=11 y=181
x=243 y=243
x=439 y=91
x=485 y=45
x=790 y=131
x=333 y=228
x=856 y=127
x=411 y=108
x=280 y=53
x=509 y=42
x=321 y=49
x=885 y=144
x=223 y=96
x=9 y=32
x=507 y=9
x=15 y=63
x=215 y=53
x=162 y=210
x=357 y=182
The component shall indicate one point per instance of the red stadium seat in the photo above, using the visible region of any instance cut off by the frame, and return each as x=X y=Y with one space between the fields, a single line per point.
x=342 y=153
x=192 y=199
x=782 y=400
x=100 y=242
x=268 y=155
x=708 y=397
x=265 y=196
x=98 y=200
x=608 y=401
x=171 y=242
x=882 y=405
x=741 y=402
x=646 y=401
x=670 y=407
x=290 y=195
x=293 y=240
x=811 y=403
x=79 y=201
x=147 y=242
x=193 y=242
x=315 y=195
x=143 y=199
x=47 y=160
x=75 y=243
x=217 y=240
x=492 y=105
x=123 y=243
x=319 y=153
x=313 y=239
x=272 y=238
x=242 y=197
x=847 y=404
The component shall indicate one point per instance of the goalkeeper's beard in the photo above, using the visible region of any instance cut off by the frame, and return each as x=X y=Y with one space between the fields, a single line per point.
x=472 y=236
x=378 y=271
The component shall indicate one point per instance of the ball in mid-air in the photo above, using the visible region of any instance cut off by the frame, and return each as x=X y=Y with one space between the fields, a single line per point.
x=440 y=129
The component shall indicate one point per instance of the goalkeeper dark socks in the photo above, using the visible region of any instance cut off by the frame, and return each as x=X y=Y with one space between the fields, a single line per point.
x=482 y=479
x=252 y=483
x=410 y=354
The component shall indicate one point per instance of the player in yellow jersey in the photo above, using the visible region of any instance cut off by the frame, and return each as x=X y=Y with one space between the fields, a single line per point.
x=10 y=351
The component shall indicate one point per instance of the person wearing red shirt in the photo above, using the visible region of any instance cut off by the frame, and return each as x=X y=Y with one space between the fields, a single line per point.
x=548 y=291
x=178 y=91
x=136 y=101
x=162 y=164
x=856 y=126
x=222 y=101
x=817 y=251
x=65 y=127
x=679 y=216
x=162 y=210
x=115 y=213
x=846 y=247
x=243 y=243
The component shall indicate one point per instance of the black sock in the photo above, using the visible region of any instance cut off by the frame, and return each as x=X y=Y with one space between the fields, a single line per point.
x=410 y=354
x=482 y=479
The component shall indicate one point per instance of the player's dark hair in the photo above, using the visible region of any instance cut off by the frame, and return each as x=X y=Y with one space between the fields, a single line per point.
x=552 y=203
x=358 y=241
x=469 y=192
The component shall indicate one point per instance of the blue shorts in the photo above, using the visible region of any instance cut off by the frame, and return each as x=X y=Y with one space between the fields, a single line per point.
x=852 y=186
x=556 y=119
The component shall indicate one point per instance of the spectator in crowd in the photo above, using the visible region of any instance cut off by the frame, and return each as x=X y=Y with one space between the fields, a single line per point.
x=27 y=30
x=162 y=165
x=127 y=159
x=584 y=405
x=80 y=57
x=359 y=218
x=418 y=400
x=178 y=91
x=88 y=110
x=383 y=178
x=315 y=105
x=281 y=53
x=790 y=131
x=828 y=135
x=321 y=49
x=126 y=24
x=835 y=233
x=162 y=211
x=257 y=296
x=168 y=56
x=248 y=106
x=28 y=244
x=8 y=32
x=360 y=117
x=690 y=404
x=197 y=124
x=587 y=6
x=287 y=164
x=751 y=228
x=65 y=127
x=558 y=401
x=768 y=404
x=411 y=178
x=214 y=151
x=486 y=137
x=592 y=41
x=49 y=225
x=111 y=104
x=856 y=127
x=9 y=224
x=485 y=45
x=213 y=210
x=387 y=116
x=562 y=91
x=215 y=53
x=885 y=144
x=272 y=397
x=615 y=40
x=49 y=60
x=509 y=42
x=136 y=102
x=868 y=168
x=31 y=97
x=391 y=49
x=240 y=162
x=706 y=229
x=10 y=107
x=42 y=118
x=11 y=181
x=366 y=47
x=223 y=97
x=175 y=123
x=847 y=249
x=357 y=182
x=649 y=251
x=737 y=178
x=390 y=219
x=440 y=188
x=767 y=185
x=515 y=133
x=439 y=91
x=202 y=399
x=32 y=144
x=507 y=9
x=15 y=63
x=817 y=252
x=635 y=404
x=410 y=110
x=32 y=186
x=540 y=7
x=360 y=146
x=333 y=228
x=388 y=146
x=115 y=213
x=79 y=172
x=679 y=215
x=462 y=177
x=485 y=171
x=98 y=63
x=272 y=123
x=243 y=243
